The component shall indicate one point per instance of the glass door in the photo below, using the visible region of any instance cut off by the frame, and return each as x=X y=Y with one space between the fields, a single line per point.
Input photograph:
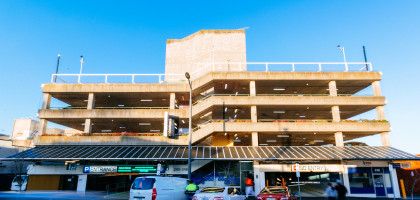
x=378 y=180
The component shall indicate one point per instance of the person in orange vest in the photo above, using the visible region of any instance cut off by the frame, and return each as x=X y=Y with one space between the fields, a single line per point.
x=249 y=186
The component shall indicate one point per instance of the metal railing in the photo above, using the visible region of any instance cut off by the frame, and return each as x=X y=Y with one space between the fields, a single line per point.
x=106 y=78
x=107 y=107
x=259 y=95
x=204 y=68
x=285 y=67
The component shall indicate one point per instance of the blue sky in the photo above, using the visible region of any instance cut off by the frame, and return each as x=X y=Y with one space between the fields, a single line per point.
x=129 y=37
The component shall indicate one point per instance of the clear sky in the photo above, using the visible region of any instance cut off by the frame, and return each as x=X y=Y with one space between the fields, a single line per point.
x=129 y=37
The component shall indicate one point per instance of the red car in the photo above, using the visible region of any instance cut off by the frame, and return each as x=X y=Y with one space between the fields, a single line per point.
x=275 y=193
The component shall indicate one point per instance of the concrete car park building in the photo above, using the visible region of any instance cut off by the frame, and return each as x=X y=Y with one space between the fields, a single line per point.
x=257 y=118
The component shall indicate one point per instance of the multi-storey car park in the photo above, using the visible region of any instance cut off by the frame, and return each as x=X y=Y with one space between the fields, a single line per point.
x=257 y=118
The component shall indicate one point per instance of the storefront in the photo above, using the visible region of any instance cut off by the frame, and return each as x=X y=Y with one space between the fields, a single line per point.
x=313 y=177
x=363 y=173
x=361 y=178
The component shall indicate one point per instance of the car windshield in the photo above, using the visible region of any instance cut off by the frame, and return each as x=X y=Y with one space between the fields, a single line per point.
x=143 y=183
x=212 y=190
x=20 y=178
x=273 y=190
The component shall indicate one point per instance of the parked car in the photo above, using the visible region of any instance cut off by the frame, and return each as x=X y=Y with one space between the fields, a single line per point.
x=219 y=193
x=157 y=187
x=19 y=183
x=275 y=193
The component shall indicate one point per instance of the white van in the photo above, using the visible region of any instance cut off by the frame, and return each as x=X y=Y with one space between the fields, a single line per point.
x=19 y=183
x=158 y=188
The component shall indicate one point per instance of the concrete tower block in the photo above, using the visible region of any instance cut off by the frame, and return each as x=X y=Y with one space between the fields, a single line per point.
x=205 y=51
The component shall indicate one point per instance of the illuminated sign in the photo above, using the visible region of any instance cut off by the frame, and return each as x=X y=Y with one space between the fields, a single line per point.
x=309 y=168
x=121 y=169
x=137 y=169
x=99 y=169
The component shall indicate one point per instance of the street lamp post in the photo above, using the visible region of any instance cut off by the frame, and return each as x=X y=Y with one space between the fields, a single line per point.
x=343 y=51
x=187 y=75
x=56 y=67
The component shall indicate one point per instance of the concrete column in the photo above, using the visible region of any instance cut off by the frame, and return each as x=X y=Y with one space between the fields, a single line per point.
x=339 y=141
x=252 y=89
x=91 y=101
x=42 y=129
x=380 y=113
x=172 y=101
x=376 y=88
x=81 y=183
x=332 y=87
x=254 y=117
x=46 y=100
x=385 y=139
x=335 y=110
x=346 y=180
x=259 y=178
x=88 y=126
x=254 y=138
x=394 y=181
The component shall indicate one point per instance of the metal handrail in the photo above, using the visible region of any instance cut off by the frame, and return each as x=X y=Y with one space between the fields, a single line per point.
x=106 y=76
x=303 y=95
x=118 y=107
x=211 y=95
x=291 y=66
x=284 y=120
x=243 y=66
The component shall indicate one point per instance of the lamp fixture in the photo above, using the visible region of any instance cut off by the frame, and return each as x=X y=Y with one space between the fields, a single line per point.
x=279 y=112
x=144 y=124
x=279 y=89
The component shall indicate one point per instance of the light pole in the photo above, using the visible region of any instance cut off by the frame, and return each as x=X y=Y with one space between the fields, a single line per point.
x=343 y=51
x=56 y=67
x=82 y=60
x=187 y=75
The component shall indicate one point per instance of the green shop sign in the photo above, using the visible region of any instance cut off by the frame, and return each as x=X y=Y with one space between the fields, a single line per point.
x=137 y=169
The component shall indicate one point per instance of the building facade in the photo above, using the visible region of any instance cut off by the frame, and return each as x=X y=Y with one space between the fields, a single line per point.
x=248 y=119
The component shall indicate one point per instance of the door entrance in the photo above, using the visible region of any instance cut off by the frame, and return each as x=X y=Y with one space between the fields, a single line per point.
x=379 y=185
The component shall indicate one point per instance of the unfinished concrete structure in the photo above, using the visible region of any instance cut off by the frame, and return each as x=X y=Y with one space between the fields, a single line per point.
x=235 y=104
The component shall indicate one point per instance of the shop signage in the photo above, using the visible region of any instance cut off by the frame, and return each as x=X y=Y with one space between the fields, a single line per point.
x=396 y=165
x=99 y=169
x=313 y=168
x=137 y=169
x=177 y=169
x=297 y=169
x=121 y=169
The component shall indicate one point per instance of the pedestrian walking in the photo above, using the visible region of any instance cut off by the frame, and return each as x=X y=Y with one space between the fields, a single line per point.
x=191 y=189
x=330 y=192
x=249 y=186
x=341 y=191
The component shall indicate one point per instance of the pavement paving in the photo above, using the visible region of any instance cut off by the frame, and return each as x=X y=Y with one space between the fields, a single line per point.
x=52 y=195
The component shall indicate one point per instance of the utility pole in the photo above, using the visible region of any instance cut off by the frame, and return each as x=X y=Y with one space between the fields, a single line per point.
x=187 y=75
x=81 y=67
x=56 y=68
x=343 y=51
x=364 y=55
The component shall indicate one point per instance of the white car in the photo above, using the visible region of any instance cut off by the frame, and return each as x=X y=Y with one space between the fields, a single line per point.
x=19 y=183
x=158 y=188
x=219 y=193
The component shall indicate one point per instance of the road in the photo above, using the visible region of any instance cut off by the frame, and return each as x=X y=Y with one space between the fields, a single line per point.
x=53 y=195
x=61 y=195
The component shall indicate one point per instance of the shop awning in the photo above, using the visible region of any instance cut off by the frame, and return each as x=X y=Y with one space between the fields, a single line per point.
x=138 y=153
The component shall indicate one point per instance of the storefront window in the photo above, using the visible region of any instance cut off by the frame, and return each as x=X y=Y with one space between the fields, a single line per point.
x=361 y=181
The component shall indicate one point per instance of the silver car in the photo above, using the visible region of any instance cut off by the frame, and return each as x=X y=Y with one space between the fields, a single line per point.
x=219 y=193
x=158 y=188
